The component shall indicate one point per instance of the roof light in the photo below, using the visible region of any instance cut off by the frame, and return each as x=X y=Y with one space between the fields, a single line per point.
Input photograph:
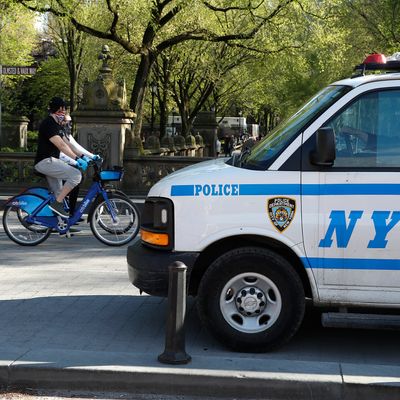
x=379 y=63
x=375 y=59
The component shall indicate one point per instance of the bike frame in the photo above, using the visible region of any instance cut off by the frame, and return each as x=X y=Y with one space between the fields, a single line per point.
x=61 y=224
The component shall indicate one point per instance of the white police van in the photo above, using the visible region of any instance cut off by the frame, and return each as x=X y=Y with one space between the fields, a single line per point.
x=312 y=211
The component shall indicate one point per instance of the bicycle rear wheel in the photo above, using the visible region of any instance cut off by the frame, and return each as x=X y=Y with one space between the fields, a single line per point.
x=32 y=227
x=20 y=231
x=120 y=231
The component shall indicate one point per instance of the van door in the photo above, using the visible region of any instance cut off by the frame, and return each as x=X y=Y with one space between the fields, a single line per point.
x=351 y=211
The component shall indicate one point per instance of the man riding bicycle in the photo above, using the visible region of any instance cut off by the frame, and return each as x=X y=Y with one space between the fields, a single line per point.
x=51 y=142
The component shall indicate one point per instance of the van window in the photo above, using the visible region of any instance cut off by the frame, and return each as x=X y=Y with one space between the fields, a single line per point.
x=368 y=132
x=263 y=154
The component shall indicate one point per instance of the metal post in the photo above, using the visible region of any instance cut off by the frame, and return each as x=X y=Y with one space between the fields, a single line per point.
x=174 y=352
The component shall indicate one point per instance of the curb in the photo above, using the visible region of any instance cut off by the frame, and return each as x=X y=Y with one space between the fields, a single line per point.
x=204 y=376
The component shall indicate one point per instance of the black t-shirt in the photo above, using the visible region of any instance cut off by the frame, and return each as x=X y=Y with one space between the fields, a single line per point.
x=48 y=128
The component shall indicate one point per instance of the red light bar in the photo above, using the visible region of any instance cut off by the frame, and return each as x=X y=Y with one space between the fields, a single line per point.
x=375 y=59
x=377 y=62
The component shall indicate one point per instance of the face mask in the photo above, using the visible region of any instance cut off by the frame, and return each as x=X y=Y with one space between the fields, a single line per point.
x=60 y=115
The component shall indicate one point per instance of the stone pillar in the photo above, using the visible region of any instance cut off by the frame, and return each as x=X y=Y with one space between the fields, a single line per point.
x=206 y=125
x=103 y=119
x=14 y=131
x=104 y=133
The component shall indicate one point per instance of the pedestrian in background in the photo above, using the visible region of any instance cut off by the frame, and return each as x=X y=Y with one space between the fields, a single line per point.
x=218 y=147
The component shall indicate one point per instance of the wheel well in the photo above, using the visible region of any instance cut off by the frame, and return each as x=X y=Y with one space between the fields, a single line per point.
x=216 y=249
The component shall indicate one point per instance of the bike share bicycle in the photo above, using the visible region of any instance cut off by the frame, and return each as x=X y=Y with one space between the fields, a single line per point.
x=113 y=218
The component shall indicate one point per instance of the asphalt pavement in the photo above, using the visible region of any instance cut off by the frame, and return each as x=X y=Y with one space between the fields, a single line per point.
x=70 y=319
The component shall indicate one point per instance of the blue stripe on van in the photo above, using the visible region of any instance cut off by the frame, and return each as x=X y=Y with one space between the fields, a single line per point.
x=182 y=190
x=350 y=189
x=307 y=189
x=351 y=263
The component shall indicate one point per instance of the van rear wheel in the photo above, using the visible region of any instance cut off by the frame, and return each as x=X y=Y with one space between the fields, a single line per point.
x=251 y=299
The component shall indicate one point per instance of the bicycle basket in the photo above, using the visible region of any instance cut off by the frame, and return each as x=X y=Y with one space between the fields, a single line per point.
x=115 y=174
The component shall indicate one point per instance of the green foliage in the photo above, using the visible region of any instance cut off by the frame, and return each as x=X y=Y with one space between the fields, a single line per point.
x=17 y=35
x=32 y=145
x=50 y=80
x=17 y=41
x=32 y=141
x=304 y=47
x=12 y=150
x=30 y=96
x=377 y=21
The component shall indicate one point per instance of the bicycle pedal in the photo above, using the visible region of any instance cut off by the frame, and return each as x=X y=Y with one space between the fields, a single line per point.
x=61 y=223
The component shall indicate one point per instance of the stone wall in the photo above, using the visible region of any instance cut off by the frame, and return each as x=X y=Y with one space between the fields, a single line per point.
x=141 y=173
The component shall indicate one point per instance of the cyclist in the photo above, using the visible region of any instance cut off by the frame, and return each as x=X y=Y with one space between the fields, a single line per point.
x=51 y=142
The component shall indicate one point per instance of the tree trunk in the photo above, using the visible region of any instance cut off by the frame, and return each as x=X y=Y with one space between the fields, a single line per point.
x=163 y=115
x=139 y=90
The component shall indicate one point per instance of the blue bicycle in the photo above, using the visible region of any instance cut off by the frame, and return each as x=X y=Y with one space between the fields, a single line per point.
x=113 y=218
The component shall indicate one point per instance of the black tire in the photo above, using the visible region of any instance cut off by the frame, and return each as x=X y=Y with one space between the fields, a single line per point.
x=21 y=232
x=115 y=233
x=251 y=299
x=32 y=227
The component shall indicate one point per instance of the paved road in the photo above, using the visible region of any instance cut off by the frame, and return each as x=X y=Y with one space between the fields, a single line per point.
x=70 y=318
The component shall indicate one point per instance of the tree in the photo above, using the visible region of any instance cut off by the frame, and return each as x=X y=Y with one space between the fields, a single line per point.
x=71 y=46
x=50 y=80
x=378 y=20
x=162 y=24
x=17 y=40
x=17 y=34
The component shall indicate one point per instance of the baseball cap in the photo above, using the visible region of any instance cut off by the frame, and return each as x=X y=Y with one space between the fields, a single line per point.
x=56 y=103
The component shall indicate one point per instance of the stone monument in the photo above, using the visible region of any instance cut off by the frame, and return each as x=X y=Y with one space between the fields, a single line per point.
x=103 y=119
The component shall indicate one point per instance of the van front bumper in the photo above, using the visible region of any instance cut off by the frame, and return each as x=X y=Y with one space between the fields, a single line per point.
x=148 y=268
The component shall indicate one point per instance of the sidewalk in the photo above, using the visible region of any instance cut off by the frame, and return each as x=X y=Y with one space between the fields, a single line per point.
x=70 y=319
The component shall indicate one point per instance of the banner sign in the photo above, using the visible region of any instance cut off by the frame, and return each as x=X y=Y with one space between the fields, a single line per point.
x=18 y=70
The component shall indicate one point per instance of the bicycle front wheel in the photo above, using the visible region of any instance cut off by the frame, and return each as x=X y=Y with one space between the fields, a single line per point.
x=20 y=231
x=119 y=231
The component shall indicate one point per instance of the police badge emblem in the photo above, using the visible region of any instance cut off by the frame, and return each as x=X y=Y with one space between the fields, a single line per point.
x=281 y=212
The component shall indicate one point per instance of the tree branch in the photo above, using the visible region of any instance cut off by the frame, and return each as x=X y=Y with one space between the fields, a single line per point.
x=113 y=27
x=108 y=35
x=212 y=37
x=232 y=8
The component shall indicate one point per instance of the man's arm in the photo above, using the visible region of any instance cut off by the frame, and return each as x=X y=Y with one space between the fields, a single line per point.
x=62 y=146
x=77 y=148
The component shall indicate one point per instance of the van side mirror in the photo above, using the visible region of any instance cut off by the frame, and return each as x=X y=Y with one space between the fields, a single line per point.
x=324 y=153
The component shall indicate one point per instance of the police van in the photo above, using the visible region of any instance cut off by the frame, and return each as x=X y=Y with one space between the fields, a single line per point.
x=311 y=212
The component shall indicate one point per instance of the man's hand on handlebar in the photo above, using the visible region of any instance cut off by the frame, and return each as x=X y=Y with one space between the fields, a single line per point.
x=82 y=164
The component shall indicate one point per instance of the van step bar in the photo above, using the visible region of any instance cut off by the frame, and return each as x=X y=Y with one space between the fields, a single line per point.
x=360 y=321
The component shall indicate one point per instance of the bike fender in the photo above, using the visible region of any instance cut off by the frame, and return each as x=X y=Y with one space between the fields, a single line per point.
x=39 y=190
x=29 y=202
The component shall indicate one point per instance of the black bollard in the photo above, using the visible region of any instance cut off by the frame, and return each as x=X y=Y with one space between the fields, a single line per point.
x=174 y=352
